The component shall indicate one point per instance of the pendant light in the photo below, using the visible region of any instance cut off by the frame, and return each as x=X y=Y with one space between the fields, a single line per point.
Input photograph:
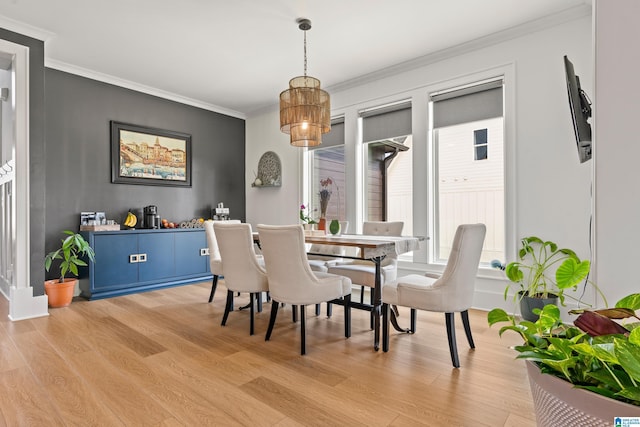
x=305 y=109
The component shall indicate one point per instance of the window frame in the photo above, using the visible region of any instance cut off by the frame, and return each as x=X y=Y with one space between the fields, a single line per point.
x=423 y=171
x=484 y=144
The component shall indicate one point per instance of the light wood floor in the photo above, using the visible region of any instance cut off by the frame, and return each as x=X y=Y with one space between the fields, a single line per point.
x=162 y=358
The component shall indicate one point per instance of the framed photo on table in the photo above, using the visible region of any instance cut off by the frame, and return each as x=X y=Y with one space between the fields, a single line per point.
x=149 y=156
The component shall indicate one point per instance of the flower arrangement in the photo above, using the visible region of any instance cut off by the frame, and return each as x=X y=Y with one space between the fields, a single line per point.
x=306 y=217
x=325 y=195
x=597 y=353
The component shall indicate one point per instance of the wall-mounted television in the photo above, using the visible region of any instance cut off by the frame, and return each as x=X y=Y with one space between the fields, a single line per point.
x=580 y=107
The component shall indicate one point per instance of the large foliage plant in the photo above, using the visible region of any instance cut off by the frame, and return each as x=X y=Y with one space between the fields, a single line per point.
x=73 y=248
x=545 y=270
x=600 y=352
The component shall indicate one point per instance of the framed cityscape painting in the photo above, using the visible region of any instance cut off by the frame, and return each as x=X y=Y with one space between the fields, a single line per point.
x=149 y=156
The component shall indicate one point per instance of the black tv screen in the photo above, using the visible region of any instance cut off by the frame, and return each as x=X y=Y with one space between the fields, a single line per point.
x=580 y=112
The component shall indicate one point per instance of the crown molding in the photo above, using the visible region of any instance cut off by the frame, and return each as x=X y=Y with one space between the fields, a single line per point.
x=530 y=27
x=26 y=29
x=127 y=84
x=45 y=35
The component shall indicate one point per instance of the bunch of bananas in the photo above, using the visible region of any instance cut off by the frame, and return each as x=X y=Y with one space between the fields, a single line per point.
x=131 y=220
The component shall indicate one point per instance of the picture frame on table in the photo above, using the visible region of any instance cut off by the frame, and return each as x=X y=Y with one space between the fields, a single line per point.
x=149 y=156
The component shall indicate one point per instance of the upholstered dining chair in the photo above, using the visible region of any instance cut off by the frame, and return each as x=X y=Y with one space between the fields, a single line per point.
x=291 y=280
x=450 y=293
x=215 y=264
x=242 y=270
x=362 y=272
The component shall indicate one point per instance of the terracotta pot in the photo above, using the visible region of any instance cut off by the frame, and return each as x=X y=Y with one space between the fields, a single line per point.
x=557 y=403
x=60 y=294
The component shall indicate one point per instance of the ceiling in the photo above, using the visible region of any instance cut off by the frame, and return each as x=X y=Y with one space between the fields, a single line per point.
x=236 y=56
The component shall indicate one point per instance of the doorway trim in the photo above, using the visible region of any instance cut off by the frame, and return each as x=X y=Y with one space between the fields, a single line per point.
x=22 y=303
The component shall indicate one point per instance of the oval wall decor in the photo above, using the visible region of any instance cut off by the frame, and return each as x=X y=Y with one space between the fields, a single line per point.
x=269 y=171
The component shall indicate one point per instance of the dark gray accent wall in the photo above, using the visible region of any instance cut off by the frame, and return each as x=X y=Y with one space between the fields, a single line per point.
x=36 y=156
x=78 y=168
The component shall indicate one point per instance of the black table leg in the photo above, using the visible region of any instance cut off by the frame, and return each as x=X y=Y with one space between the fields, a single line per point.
x=394 y=321
x=377 y=303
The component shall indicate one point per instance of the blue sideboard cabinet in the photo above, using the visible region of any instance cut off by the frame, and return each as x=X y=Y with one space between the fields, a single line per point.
x=129 y=261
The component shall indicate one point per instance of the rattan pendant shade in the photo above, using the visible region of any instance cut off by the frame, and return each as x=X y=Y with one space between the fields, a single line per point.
x=305 y=109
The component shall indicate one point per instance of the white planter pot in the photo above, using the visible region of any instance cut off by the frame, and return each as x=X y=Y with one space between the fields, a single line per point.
x=557 y=403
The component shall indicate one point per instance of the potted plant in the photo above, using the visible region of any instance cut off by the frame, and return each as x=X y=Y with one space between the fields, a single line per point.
x=306 y=219
x=593 y=365
x=543 y=272
x=74 y=247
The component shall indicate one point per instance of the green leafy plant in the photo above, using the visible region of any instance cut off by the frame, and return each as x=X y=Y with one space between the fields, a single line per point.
x=597 y=353
x=534 y=272
x=73 y=248
x=306 y=217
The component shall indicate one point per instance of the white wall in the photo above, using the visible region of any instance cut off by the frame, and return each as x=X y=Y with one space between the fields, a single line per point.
x=550 y=187
x=271 y=205
x=617 y=147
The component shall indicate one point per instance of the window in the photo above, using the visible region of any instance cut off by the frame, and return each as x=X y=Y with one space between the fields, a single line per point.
x=459 y=150
x=468 y=188
x=480 y=144
x=388 y=164
x=326 y=164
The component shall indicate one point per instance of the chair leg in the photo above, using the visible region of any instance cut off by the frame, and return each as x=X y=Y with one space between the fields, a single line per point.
x=467 y=328
x=347 y=316
x=451 y=334
x=252 y=297
x=413 y=320
x=214 y=285
x=259 y=301
x=294 y=313
x=228 y=307
x=303 y=344
x=362 y=295
x=272 y=319
x=385 y=327
x=329 y=309
x=317 y=309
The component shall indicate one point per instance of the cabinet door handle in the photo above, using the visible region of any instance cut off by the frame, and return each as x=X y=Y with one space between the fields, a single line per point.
x=204 y=251
x=142 y=257
x=133 y=258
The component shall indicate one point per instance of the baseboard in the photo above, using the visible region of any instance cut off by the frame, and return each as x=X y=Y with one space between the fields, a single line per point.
x=24 y=305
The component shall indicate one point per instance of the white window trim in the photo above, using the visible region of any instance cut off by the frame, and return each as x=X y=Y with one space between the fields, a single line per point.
x=508 y=74
x=422 y=171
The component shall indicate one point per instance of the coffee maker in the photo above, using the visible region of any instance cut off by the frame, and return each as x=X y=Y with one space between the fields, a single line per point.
x=151 y=217
x=220 y=212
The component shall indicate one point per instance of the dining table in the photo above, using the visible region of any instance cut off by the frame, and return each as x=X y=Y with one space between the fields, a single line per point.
x=374 y=248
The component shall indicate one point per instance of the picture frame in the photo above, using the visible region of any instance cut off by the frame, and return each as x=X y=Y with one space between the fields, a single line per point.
x=149 y=156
